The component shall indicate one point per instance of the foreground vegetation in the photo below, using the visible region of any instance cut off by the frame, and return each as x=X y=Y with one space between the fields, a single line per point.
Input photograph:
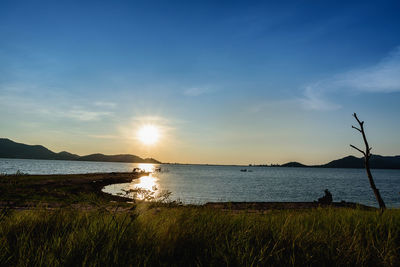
x=65 y=220
x=164 y=235
x=57 y=190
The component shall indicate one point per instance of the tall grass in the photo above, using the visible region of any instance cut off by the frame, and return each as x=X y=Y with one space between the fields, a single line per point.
x=194 y=236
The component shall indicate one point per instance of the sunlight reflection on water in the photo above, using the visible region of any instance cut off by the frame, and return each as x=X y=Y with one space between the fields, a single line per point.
x=147 y=167
x=144 y=188
x=145 y=182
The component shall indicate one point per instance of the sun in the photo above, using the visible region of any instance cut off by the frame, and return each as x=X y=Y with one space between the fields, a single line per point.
x=148 y=134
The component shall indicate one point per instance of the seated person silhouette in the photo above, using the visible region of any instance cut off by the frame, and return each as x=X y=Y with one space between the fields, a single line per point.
x=326 y=199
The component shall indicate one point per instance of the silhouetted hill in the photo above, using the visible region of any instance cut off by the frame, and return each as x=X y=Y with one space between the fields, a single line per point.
x=65 y=154
x=11 y=149
x=116 y=158
x=383 y=162
x=346 y=162
x=293 y=164
x=376 y=162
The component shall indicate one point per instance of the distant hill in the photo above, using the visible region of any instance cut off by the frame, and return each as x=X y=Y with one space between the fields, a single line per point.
x=346 y=162
x=117 y=158
x=293 y=164
x=66 y=155
x=11 y=149
x=376 y=162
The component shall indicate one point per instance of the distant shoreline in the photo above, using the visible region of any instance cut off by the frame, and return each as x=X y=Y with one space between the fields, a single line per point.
x=249 y=167
x=13 y=150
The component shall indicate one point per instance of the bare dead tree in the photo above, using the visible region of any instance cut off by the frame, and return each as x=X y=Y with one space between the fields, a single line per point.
x=367 y=156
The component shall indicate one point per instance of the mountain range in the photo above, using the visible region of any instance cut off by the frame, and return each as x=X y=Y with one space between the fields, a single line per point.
x=375 y=162
x=11 y=149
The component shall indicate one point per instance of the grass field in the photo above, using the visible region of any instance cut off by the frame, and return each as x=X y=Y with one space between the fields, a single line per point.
x=159 y=235
x=65 y=220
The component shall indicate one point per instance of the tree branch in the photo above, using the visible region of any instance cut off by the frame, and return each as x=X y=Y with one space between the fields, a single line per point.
x=356 y=128
x=360 y=122
x=358 y=149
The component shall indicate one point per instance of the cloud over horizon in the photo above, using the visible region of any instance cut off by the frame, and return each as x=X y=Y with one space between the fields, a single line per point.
x=51 y=103
x=383 y=77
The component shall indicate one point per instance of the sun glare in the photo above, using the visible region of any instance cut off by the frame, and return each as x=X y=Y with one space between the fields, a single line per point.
x=148 y=134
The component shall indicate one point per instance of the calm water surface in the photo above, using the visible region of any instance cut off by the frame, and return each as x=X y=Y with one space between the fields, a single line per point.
x=200 y=183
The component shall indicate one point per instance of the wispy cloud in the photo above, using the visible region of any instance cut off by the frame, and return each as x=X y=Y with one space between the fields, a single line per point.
x=105 y=104
x=314 y=98
x=22 y=99
x=104 y=136
x=76 y=113
x=150 y=119
x=86 y=115
x=197 y=91
x=383 y=77
x=268 y=106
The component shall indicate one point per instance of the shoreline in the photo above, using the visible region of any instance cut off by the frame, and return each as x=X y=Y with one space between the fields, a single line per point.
x=58 y=190
x=288 y=205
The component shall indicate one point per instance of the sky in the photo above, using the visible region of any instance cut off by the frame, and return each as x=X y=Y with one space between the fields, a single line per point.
x=225 y=82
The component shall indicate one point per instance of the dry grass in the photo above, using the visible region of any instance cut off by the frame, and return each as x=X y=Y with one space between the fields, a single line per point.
x=155 y=235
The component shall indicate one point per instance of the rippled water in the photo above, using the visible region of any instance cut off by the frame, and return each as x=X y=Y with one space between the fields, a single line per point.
x=200 y=183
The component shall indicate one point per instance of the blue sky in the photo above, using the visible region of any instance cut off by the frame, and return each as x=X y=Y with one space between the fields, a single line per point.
x=225 y=81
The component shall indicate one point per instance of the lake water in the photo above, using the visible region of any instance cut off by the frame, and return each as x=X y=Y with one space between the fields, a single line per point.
x=202 y=183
